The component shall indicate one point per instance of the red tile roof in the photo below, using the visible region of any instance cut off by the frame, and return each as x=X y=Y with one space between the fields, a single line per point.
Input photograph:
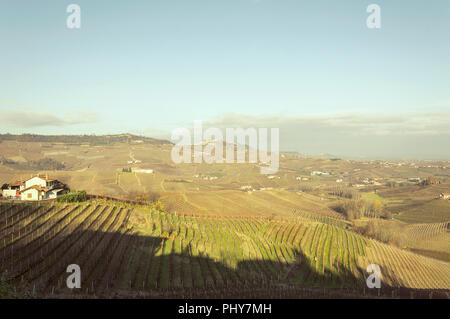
x=39 y=188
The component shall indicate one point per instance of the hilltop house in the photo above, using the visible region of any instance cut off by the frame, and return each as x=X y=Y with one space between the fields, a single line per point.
x=444 y=196
x=35 y=188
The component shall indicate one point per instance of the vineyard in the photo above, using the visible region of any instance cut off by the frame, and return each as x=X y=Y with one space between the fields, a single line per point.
x=429 y=239
x=234 y=203
x=124 y=249
x=424 y=232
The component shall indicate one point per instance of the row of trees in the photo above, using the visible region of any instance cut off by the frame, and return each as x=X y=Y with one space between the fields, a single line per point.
x=345 y=192
x=358 y=208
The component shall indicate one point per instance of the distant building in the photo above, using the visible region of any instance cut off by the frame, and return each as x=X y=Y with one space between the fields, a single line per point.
x=444 y=196
x=142 y=171
x=134 y=162
x=319 y=173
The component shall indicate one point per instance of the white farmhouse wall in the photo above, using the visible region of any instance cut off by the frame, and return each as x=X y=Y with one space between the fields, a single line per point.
x=143 y=171
x=36 y=181
x=9 y=193
x=52 y=194
x=30 y=194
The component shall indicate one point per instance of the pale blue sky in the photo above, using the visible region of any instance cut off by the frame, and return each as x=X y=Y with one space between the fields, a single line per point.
x=144 y=66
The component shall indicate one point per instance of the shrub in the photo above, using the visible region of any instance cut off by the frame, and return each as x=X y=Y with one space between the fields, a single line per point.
x=73 y=197
x=158 y=206
x=383 y=231
x=150 y=197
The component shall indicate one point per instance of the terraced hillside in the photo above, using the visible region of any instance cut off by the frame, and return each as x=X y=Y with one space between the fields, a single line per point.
x=123 y=250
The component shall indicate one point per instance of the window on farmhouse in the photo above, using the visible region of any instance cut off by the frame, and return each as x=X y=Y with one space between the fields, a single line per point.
x=29 y=195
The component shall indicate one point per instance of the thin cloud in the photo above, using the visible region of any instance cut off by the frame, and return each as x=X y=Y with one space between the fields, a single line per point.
x=351 y=123
x=409 y=135
x=30 y=119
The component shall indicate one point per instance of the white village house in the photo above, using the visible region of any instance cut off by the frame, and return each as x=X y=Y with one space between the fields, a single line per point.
x=35 y=188
x=444 y=196
x=12 y=190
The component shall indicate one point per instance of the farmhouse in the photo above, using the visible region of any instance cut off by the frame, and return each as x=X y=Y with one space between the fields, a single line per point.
x=444 y=196
x=42 y=187
x=12 y=191
x=35 y=188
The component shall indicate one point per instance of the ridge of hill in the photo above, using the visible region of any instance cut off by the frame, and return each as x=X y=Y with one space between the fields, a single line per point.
x=82 y=139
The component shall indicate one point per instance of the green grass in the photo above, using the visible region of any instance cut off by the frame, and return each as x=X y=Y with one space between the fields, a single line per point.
x=376 y=197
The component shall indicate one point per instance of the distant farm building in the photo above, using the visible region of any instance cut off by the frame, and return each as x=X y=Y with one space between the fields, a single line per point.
x=444 y=196
x=134 y=162
x=319 y=173
x=142 y=171
x=35 y=188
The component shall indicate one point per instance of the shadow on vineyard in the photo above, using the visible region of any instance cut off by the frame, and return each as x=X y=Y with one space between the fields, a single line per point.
x=125 y=264
x=125 y=252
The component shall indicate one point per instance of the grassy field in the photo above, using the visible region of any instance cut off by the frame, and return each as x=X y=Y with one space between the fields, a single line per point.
x=125 y=249
x=376 y=197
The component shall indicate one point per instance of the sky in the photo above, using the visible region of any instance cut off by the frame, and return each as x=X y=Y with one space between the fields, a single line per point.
x=312 y=68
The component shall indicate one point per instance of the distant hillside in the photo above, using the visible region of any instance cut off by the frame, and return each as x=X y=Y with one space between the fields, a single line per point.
x=42 y=164
x=82 y=139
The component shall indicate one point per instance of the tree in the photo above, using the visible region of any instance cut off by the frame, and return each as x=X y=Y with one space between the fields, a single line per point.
x=429 y=181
